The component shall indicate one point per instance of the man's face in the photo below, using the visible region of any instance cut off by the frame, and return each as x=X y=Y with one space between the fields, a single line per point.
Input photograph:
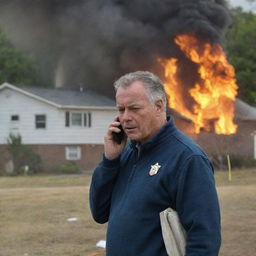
x=138 y=116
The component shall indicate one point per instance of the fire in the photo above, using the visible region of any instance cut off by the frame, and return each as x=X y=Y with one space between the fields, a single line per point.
x=212 y=96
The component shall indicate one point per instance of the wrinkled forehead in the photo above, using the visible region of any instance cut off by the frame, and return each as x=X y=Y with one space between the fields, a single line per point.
x=134 y=88
x=133 y=94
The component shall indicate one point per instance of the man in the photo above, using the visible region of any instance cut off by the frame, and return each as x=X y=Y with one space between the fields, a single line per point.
x=158 y=168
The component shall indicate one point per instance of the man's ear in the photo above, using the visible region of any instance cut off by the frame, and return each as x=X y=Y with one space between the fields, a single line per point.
x=159 y=105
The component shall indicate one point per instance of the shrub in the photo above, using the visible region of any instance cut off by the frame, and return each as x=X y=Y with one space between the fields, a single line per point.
x=22 y=156
x=69 y=168
x=242 y=161
x=237 y=161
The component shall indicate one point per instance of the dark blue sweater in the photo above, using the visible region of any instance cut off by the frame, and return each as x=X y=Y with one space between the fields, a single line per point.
x=125 y=195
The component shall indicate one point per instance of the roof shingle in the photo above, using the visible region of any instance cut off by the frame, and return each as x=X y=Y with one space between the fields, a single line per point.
x=69 y=98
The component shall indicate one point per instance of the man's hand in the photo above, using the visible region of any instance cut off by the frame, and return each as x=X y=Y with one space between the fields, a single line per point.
x=112 y=148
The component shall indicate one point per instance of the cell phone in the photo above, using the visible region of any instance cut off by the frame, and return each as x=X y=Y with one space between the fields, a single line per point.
x=118 y=136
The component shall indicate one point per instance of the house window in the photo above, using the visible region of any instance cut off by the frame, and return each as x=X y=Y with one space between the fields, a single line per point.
x=73 y=153
x=78 y=119
x=15 y=118
x=40 y=121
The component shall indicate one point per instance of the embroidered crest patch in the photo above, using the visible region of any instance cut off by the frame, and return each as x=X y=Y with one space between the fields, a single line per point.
x=154 y=169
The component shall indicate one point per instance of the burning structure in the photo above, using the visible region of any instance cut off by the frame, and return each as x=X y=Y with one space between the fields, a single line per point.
x=209 y=100
x=90 y=43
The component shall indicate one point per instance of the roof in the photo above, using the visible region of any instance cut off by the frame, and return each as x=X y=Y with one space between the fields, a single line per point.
x=65 y=98
x=244 y=111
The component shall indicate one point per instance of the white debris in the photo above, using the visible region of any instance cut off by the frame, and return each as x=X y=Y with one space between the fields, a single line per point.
x=101 y=243
x=72 y=219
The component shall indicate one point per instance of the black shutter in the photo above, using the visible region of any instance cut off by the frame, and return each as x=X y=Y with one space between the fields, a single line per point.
x=90 y=119
x=85 y=119
x=67 y=118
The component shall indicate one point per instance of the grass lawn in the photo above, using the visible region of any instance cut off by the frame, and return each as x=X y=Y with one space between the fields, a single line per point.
x=34 y=212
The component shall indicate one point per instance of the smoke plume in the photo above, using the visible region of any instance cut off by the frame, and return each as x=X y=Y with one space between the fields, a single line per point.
x=90 y=43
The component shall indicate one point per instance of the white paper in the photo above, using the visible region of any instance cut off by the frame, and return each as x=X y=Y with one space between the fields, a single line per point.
x=101 y=243
x=72 y=219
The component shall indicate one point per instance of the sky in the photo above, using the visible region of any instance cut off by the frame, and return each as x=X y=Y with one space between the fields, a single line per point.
x=244 y=4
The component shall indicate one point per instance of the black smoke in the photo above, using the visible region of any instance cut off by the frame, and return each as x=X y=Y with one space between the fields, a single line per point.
x=90 y=43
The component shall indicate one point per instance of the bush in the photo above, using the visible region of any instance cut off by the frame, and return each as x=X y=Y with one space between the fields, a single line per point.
x=69 y=168
x=32 y=160
x=22 y=156
x=242 y=161
x=237 y=161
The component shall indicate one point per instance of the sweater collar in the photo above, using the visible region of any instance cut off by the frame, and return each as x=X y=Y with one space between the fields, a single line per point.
x=166 y=130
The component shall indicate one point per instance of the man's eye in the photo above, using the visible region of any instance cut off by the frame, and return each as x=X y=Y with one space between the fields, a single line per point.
x=120 y=110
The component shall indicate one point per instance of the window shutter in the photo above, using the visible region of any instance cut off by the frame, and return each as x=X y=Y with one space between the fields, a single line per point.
x=90 y=119
x=67 y=118
x=85 y=119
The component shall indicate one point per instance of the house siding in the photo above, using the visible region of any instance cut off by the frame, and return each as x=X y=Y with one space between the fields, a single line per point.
x=50 y=143
x=56 y=132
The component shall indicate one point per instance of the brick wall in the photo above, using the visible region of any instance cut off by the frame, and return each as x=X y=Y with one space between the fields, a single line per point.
x=4 y=157
x=240 y=144
x=53 y=156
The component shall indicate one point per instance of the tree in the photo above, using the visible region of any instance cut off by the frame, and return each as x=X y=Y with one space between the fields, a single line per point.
x=15 y=66
x=241 y=50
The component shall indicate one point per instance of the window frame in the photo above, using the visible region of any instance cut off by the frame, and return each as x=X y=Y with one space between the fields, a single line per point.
x=15 y=120
x=81 y=119
x=77 y=155
x=85 y=117
x=40 y=121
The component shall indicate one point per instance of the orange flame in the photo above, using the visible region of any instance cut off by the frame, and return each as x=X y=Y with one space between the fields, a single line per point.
x=214 y=93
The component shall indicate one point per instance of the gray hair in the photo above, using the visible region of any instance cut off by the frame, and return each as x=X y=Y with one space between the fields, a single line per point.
x=153 y=85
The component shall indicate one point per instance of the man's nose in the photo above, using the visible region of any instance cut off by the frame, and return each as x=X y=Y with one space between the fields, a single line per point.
x=126 y=115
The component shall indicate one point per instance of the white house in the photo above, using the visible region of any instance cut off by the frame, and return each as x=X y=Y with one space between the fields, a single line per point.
x=60 y=124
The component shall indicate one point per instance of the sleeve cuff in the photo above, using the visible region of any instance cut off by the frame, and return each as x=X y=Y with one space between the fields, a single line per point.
x=111 y=163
